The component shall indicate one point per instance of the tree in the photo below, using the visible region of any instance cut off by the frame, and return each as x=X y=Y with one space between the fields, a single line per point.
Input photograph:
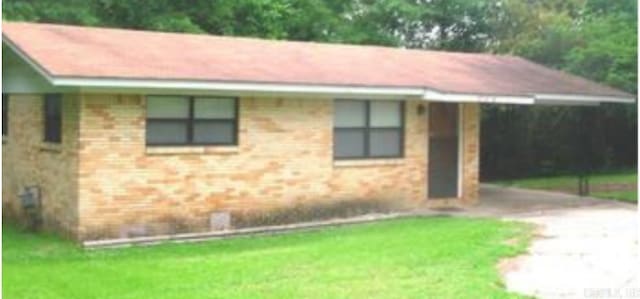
x=592 y=38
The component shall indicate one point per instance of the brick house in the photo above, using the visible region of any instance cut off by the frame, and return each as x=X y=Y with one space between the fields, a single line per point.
x=121 y=131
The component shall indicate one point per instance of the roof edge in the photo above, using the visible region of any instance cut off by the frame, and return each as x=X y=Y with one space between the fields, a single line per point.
x=424 y=93
x=578 y=98
x=430 y=95
x=259 y=87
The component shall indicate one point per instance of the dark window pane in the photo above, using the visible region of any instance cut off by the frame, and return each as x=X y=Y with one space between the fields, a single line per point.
x=5 y=114
x=175 y=107
x=349 y=114
x=52 y=131
x=166 y=132
x=368 y=129
x=53 y=118
x=385 y=114
x=385 y=142
x=214 y=108
x=349 y=143
x=173 y=120
x=214 y=132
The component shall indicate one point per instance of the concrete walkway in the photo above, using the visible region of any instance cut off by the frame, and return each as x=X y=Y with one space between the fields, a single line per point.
x=585 y=247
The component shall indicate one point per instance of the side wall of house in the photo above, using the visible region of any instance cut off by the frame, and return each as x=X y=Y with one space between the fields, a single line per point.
x=28 y=161
x=284 y=158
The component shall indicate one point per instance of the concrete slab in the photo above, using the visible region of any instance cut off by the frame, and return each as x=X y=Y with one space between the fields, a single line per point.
x=585 y=248
x=503 y=201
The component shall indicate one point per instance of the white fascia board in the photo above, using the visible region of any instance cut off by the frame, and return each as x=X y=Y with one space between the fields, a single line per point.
x=100 y=84
x=430 y=95
x=581 y=99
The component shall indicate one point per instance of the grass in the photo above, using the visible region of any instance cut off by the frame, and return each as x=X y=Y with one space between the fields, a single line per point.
x=630 y=196
x=408 y=258
x=617 y=185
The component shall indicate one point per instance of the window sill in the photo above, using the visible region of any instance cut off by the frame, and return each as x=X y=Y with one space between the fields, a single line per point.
x=50 y=147
x=192 y=150
x=369 y=162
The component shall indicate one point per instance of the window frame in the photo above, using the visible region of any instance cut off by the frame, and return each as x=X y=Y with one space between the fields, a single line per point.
x=191 y=120
x=5 y=114
x=47 y=125
x=368 y=128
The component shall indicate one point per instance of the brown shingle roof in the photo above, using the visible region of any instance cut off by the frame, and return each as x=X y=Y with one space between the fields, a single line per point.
x=70 y=51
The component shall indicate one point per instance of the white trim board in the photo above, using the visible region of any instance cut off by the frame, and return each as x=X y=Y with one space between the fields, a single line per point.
x=102 y=85
x=476 y=98
x=237 y=87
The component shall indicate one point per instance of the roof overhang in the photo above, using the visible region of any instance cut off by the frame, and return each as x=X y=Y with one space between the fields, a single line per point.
x=151 y=85
x=101 y=84
x=537 y=99
x=577 y=99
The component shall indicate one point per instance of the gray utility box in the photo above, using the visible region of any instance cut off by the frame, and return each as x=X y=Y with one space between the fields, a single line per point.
x=220 y=221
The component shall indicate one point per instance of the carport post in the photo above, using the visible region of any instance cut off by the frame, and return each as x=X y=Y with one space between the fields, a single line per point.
x=584 y=147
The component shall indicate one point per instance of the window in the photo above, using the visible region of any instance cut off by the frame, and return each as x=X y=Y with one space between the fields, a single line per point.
x=180 y=120
x=53 y=118
x=368 y=129
x=5 y=114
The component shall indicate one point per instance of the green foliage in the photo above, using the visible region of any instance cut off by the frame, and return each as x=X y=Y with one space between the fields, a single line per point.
x=444 y=24
x=606 y=52
x=595 y=39
x=628 y=196
x=78 y=12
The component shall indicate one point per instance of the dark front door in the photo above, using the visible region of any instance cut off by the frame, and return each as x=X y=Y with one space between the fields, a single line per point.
x=443 y=150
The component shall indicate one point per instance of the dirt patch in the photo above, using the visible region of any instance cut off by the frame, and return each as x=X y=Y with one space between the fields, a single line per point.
x=512 y=242
x=510 y=264
x=513 y=263
x=448 y=209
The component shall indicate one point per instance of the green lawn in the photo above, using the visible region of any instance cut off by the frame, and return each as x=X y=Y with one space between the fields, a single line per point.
x=630 y=196
x=620 y=185
x=409 y=258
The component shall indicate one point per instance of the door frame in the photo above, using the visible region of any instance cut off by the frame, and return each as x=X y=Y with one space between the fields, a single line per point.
x=460 y=162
